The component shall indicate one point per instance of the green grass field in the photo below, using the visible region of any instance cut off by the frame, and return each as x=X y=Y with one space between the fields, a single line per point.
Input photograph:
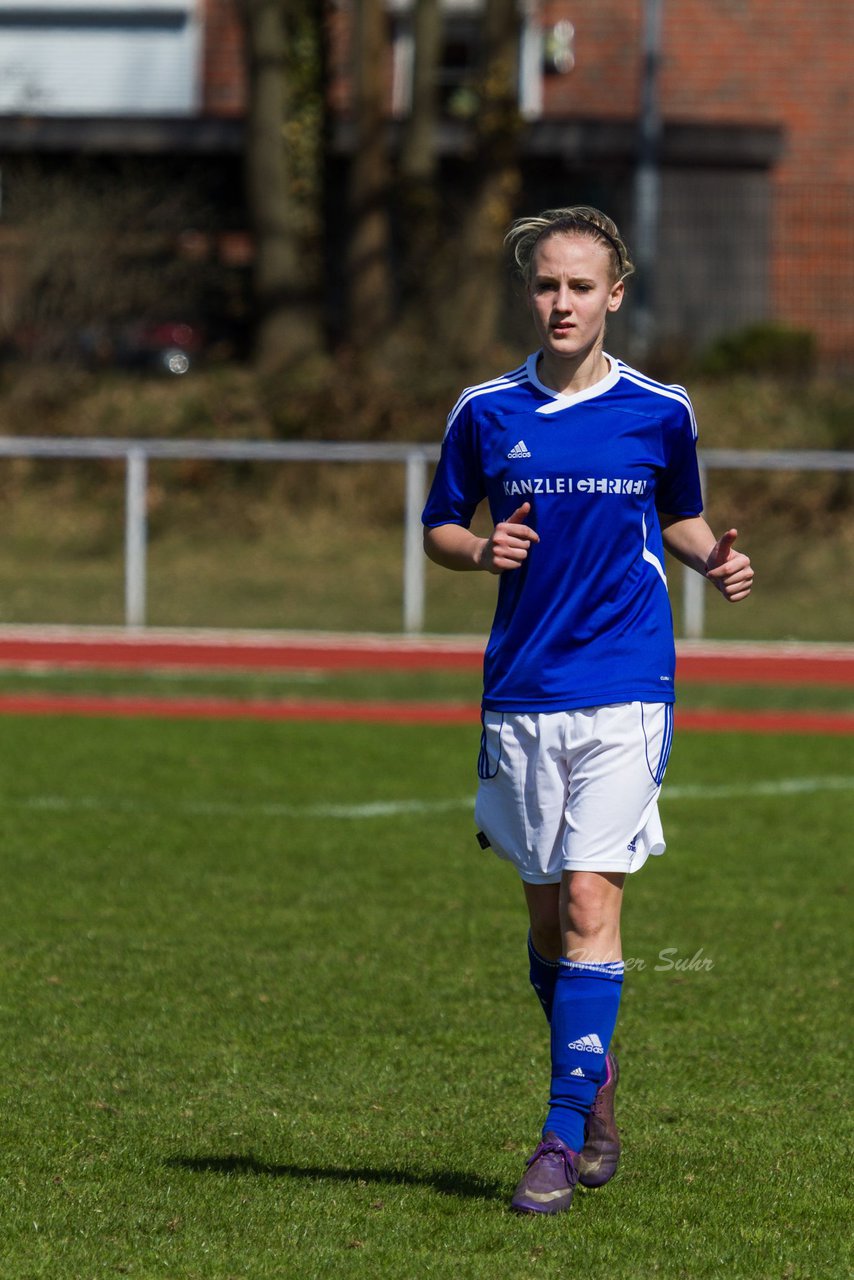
x=266 y=1013
x=391 y=685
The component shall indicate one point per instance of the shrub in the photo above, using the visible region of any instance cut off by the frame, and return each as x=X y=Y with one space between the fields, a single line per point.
x=763 y=348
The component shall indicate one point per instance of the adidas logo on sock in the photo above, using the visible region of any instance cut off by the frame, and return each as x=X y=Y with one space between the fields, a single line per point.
x=519 y=450
x=587 y=1044
x=577 y=1072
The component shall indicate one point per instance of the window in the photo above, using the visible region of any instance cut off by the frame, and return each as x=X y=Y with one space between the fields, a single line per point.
x=99 y=57
x=460 y=60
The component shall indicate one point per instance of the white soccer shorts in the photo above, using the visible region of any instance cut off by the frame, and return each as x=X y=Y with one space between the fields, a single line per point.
x=574 y=790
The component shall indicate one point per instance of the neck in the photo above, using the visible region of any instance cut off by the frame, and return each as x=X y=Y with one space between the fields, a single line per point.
x=572 y=375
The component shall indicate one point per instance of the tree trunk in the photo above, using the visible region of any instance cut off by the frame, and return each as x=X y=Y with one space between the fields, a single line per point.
x=286 y=330
x=370 y=293
x=418 y=187
x=473 y=309
x=418 y=151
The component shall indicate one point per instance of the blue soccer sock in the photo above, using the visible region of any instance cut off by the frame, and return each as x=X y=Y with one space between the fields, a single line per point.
x=584 y=1014
x=543 y=975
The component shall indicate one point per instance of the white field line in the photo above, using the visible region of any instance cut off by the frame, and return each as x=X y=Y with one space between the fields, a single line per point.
x=46 y=669
x=778 y=788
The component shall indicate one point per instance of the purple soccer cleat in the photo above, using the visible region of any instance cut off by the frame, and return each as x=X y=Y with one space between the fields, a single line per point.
x=549 y=1179
x=598 y=1159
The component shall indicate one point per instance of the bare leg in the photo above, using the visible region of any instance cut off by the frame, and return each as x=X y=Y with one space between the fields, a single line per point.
x=590 y=903
x=579 y=918
x=544 y=910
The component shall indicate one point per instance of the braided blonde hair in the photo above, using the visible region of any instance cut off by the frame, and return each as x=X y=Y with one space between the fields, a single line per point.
x=526 y=233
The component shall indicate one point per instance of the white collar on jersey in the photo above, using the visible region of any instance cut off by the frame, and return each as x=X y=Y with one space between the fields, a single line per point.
x=557 y=400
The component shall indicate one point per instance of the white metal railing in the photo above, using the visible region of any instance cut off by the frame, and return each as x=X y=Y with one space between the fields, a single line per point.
x=415 y=458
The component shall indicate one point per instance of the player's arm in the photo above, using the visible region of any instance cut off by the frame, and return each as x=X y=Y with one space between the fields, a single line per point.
x=455 y=547
x=690 y=540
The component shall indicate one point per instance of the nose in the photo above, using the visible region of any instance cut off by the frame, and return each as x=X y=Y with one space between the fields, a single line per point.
x=563 y=298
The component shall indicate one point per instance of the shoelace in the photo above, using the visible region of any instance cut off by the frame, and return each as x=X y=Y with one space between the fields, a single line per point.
x=600 y=1103
x=557 y=1149
x=599 y=1107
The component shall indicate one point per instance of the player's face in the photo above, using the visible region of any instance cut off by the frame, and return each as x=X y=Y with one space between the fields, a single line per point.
x=572 y=291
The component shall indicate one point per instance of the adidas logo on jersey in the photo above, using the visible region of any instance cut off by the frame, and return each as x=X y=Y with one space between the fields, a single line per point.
x=519 y=450
x=587 y=1044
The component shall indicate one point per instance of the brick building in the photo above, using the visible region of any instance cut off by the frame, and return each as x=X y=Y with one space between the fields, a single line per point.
x=756 y=100
x=756 y=154
x=101 y=92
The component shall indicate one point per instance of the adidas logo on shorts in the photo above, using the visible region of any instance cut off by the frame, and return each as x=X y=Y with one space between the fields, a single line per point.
x=519 y=450
x=587 y=1044
x=577 y=1072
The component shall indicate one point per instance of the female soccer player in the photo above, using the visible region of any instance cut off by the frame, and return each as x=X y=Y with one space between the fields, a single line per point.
x=590 y=471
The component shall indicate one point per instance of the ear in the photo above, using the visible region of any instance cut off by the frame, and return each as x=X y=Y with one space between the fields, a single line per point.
x=615 y=298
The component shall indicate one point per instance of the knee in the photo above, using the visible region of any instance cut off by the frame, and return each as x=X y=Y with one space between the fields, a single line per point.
x=593 y=909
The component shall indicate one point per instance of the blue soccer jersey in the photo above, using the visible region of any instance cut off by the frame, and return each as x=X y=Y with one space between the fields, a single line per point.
x=586 y=620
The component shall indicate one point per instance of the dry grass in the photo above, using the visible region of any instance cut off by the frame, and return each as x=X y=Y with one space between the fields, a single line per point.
x=314 y=546
x=235 y=554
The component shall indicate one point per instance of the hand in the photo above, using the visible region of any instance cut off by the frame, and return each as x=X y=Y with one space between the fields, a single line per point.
x=729 y=570
x=507 y=547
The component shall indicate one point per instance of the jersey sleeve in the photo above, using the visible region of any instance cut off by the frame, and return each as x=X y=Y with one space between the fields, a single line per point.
x=678 y=491
x=458 y=485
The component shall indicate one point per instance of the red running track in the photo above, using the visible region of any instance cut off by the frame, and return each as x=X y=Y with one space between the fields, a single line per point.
x=213 y=651
x=60 y=649
x=386 y=712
